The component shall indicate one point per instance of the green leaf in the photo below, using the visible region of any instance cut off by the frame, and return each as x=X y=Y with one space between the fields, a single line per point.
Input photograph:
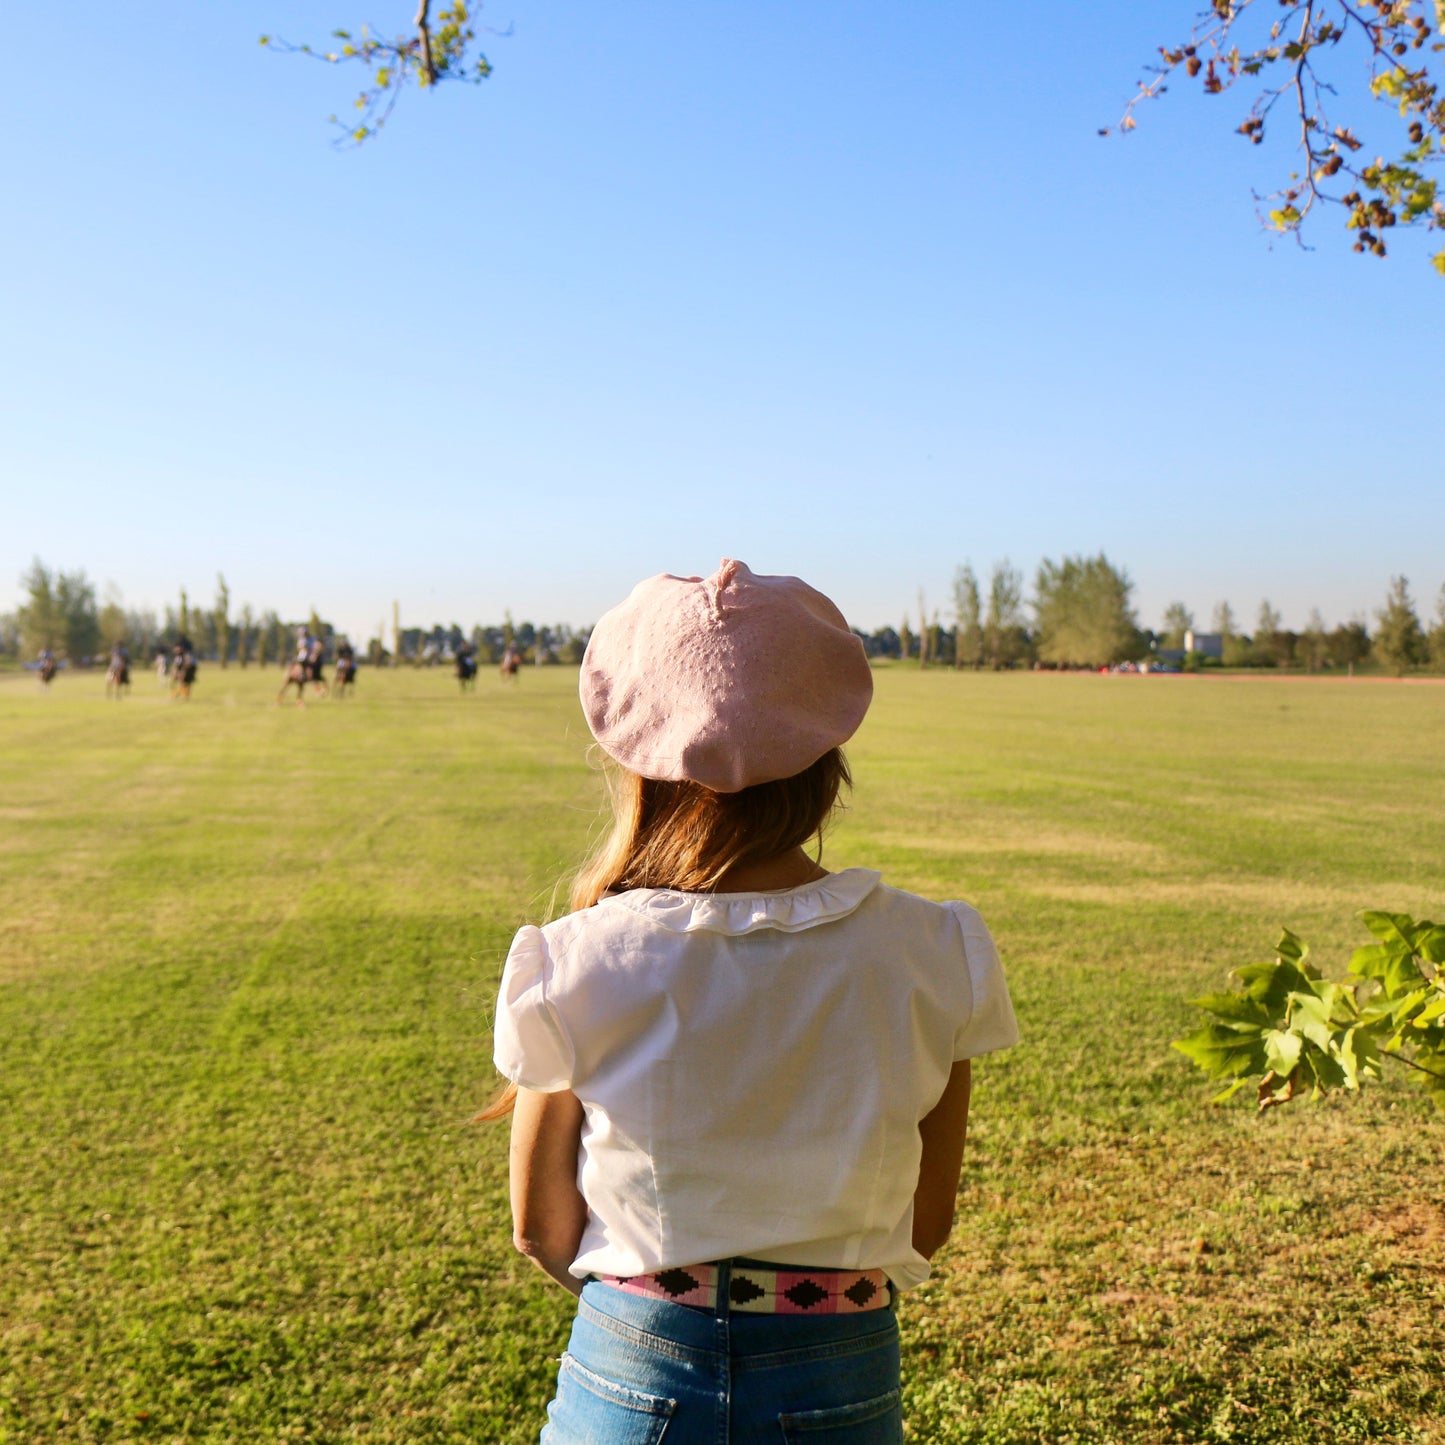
x=1292 y=947
x=1284 y=218
x=1220 y=1051
x=1438 y=262
x=1389 y=927
x=1393 y=964
x=1236 y=1007
x=1430 y=937
x=1431 y=1012
x=1271 y=984
x=1358 y=1057
x=1388 y=82
x=1282 y=1051
x=1325 y=1071
x=1311 y=1017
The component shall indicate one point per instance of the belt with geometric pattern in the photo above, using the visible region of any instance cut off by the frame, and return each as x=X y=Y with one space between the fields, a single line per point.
x=753 y=1287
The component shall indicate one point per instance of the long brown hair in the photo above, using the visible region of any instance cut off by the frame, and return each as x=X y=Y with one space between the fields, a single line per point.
x=685 y=836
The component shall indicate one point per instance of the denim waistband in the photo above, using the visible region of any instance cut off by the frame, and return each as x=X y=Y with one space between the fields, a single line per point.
x=753 y=1341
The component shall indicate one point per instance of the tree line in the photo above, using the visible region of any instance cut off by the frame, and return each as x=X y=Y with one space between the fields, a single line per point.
x=61 y=612
x=1080 y=615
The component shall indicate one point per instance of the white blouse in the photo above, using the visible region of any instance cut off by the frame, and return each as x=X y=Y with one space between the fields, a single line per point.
x=753 y=1067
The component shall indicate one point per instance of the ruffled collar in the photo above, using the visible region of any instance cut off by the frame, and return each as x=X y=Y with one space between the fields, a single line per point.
x=790 y=910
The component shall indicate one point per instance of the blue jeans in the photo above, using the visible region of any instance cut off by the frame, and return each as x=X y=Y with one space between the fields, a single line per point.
x=642 y=1371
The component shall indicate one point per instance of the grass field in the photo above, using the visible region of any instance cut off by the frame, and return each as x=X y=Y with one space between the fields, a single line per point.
x=247 y=962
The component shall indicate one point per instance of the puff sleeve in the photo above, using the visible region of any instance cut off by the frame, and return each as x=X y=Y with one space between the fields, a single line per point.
x=991 y=1024
x=532 y=1048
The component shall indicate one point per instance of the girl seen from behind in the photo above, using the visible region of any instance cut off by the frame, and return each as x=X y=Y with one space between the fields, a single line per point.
x=739 y=1083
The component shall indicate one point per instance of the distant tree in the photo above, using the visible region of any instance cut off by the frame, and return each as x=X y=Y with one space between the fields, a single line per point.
x=39 y=615
x=925 y=638
x=113 y=621
x=1081 y=612
x=1305 y=55
x=222 y=614
x=1437 y=633
x=203 y=631
x=270 y=639
x=246 y=634
x=883 y=643
x=1178 y=620
x=183 y=617
x=968 y=619
x=509 y=631
x=1312 y=641
x=1235 y=650
x=79 y=616
x=9 y=634
x=905 y=640
x=1271 y=642
x=1005 y=639
x=1399 y=642
x=142 y=632
x=1348 y=644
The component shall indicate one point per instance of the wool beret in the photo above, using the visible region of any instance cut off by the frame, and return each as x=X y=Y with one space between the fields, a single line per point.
x=727 y=681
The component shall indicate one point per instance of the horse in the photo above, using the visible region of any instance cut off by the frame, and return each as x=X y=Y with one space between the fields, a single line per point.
x=299 y=673
x=314 y=663
x=345 y=675
x=183 y=674
x=466 y=669
x=117 y=676
x=47 y=669
x=511 y=661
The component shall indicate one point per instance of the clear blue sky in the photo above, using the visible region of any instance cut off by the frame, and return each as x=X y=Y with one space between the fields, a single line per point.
x=849 y=291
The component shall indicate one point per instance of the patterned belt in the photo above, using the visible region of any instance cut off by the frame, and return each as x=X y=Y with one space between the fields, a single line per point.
x=763 y=1289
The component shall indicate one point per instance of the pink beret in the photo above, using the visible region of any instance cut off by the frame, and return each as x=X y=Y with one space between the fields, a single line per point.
x=728 y=680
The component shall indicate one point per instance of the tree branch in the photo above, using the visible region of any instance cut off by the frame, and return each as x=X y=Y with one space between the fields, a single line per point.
x=1410 y=1063
x=423 y=29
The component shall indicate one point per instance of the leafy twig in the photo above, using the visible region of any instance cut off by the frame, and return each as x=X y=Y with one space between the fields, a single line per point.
x=440 y=49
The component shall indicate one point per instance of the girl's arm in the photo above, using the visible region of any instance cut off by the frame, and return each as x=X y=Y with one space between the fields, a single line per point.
x=548 y=1212
x=942 y=1131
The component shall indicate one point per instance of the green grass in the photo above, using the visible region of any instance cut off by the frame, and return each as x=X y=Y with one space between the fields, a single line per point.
x=247 y=963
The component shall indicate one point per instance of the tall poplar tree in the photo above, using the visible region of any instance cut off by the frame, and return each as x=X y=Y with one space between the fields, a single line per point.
x=1437 y=633
x=968 y=619
x=1004 y=637
x=1178 y=620
x=223 y=619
